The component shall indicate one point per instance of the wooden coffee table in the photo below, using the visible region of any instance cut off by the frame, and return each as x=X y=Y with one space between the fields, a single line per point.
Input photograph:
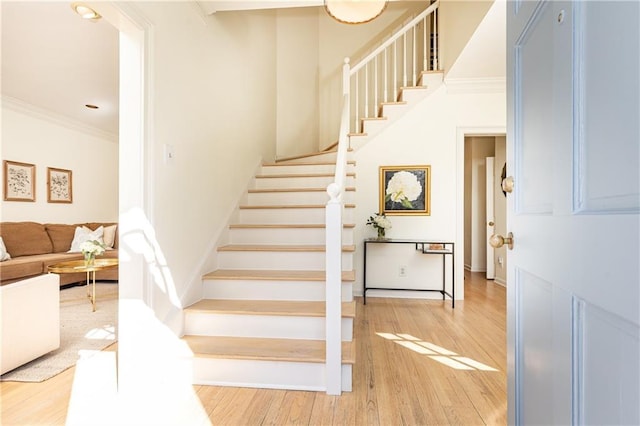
x=75 y=266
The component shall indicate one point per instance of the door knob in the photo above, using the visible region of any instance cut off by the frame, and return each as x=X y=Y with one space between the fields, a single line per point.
x=491 y=223
x=498 y=241
x=507 y=184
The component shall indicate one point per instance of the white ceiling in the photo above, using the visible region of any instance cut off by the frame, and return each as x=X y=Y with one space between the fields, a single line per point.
x=56 y=61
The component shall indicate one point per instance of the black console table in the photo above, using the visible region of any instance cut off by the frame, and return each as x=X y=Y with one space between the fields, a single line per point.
x=448 y=249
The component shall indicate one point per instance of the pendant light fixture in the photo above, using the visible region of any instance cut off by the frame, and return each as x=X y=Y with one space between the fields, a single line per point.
x=354 y=11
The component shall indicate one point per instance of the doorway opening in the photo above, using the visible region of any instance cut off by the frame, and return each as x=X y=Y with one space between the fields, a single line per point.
x=484 y=204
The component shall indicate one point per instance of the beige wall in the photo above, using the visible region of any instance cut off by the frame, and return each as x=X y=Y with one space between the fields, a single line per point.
x=35 y=136
x=297 y=81
x=213 y=98
x=458 y=21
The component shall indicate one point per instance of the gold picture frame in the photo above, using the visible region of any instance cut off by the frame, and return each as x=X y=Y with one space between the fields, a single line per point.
x=59 y=185
x=405 y=190
x=19 y=181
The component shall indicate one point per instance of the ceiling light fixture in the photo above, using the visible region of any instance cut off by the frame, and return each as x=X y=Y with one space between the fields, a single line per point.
x=354 y=11
x=85 y=11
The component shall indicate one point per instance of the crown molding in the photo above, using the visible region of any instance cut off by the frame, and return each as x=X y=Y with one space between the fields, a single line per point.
x=476 y=85
x=26 y=108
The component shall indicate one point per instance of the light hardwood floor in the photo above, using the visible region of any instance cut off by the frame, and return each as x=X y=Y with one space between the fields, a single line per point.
x=418 y=363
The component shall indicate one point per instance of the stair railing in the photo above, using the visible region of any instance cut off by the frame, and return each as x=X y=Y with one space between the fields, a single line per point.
x=333 y=259
x=411 y=37
x=396 y=63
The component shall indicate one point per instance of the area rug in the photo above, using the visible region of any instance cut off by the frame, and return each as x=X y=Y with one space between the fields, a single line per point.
x=80 y=330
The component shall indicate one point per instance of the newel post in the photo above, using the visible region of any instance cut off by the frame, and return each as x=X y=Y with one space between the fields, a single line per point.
x=333 y=290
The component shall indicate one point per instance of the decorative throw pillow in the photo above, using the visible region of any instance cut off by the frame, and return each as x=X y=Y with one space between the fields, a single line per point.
x=109 y=236
x=83 y=234
x=3 y=252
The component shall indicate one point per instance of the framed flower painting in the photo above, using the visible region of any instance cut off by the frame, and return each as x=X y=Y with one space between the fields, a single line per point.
x=405 y=190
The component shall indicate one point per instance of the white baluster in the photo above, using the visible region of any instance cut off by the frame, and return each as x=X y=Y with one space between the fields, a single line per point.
x=435 y=40
x=357 y=103
x=395 y=71
x=386 y=78
x=413 y=62
x=404 y=60
x=375 y=86
x=425 y=58
x=366 y=90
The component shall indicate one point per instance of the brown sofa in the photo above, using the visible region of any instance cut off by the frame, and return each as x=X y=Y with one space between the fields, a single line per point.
x=34 y=246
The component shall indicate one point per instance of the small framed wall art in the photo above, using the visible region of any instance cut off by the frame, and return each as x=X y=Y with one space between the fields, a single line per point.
x=59 y=186
x=405 y=190
x=19 y=181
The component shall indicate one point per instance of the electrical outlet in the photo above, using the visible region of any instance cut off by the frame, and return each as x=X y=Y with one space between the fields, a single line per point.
x=402 y=272
x=500 y=261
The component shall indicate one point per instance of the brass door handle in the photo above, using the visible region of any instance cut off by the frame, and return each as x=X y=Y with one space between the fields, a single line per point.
x=498 y=241
x=507 y=184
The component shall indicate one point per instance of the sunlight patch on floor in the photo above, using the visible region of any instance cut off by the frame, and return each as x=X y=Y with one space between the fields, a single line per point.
x=105 y=333
x=436 y=353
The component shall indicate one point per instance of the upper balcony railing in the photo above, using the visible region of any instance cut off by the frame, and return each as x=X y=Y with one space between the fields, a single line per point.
x=398 y=62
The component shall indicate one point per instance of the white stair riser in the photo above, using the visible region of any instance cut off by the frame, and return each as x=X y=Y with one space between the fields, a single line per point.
x=293 y=198
x=298 y=182
x=271 y=290
x=394 y=111
x=301 y=168
x=413 y=96
x=290 y=236
x=329 y=157
x=264 y=326
x=265 y=374
x=289 y=216
x=373 y=127
x=274 y=260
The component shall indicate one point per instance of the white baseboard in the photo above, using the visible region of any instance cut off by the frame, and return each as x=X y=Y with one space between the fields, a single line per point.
x=500 y=281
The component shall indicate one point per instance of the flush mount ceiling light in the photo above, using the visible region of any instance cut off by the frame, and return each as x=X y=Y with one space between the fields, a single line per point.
x=354 y=11
x=85 y=11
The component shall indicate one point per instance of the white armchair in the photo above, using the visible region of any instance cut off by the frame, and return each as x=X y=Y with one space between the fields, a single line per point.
x=30 y=320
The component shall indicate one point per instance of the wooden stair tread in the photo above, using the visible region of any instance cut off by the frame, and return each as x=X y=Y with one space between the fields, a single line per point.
x=280 y=247
x=308 y=163
x=290 y=206
x=310 y=155
x=264 y=349
x=268 y=307
x=285 y=225
x=280 y=275
x=298 y=175
x=268 y=190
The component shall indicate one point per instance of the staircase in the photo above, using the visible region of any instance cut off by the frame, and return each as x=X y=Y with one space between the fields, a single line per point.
x=283 y=292
x=261 y=322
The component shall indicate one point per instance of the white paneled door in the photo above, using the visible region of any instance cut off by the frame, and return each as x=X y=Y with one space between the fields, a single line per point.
x=573 y=148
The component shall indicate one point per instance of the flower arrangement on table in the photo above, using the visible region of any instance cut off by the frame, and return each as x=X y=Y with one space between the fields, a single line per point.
x=380 y=222
x=91 y=249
